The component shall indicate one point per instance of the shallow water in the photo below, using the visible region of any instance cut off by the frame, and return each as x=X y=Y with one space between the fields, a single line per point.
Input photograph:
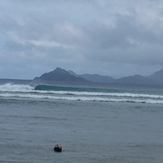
x=88 y=131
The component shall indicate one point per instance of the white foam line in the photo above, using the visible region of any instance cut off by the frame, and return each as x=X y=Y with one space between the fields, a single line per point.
x=80 y=98
x=17 y=88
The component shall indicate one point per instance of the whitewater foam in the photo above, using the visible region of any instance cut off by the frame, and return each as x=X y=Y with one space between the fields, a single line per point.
x=8 y=87
x=78 y=98
x=26 y=91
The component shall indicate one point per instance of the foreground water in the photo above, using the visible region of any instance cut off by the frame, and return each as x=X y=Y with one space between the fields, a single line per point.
x=117 y=125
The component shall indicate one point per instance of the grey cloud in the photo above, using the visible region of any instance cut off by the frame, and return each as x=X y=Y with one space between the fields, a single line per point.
x=71 y=34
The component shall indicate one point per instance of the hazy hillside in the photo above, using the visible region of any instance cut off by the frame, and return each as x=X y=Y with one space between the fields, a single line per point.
x=153 y=79
x=95 y=77
x=135 y=79
x=157 y=77
x=61 y=76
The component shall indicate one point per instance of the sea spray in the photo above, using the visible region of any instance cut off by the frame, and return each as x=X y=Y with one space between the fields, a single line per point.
x=8 y=87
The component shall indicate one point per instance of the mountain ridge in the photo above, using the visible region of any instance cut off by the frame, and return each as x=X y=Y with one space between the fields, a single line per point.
x=94 y=77
x=61 y=76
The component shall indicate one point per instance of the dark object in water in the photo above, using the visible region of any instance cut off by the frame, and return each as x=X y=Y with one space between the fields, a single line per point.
x=58 y=148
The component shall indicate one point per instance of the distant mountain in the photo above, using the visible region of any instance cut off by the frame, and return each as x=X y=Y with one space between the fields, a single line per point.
x=135 y=79
x=95 y=78
x=98 y=78
x=153 y=79
x=157 y=77
x=60 y=76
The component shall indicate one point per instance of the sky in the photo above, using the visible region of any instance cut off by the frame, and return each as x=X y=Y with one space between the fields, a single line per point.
x=109 y=37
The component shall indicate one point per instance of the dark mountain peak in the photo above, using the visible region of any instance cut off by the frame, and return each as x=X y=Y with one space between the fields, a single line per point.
x=60 y=71
x=60 y=76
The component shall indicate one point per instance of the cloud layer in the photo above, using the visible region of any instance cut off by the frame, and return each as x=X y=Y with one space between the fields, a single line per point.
x=114 y=38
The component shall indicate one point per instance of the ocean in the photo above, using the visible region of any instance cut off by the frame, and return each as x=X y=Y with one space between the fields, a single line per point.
x=109 y=124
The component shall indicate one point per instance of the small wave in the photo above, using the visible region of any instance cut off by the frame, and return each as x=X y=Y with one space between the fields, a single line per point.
x=79 y=98
x=130 y=95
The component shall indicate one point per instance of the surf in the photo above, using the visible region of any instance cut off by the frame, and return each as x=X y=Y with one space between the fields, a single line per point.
x=76 y=93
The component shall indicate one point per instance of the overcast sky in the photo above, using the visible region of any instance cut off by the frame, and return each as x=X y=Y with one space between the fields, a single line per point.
x=109 y=37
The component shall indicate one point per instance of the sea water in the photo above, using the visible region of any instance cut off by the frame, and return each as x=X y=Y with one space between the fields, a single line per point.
x=111 y=124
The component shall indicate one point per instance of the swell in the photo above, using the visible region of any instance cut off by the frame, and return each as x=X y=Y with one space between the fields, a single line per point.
x=42 y=97
x=74 y=93
x=91 y=91
x=74 y=88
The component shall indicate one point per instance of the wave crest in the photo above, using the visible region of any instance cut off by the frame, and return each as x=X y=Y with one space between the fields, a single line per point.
x=9 y=87
x=43 y=92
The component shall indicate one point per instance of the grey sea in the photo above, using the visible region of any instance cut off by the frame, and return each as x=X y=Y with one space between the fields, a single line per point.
x=111 y=124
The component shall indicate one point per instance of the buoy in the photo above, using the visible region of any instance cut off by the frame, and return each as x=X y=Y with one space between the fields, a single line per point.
x=58 y=148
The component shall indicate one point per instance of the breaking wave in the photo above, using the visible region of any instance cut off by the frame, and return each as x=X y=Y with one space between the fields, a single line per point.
x=44 y=92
